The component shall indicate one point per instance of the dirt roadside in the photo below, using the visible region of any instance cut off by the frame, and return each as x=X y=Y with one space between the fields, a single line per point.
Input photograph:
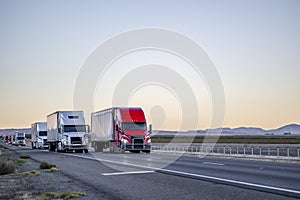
x=31 y=182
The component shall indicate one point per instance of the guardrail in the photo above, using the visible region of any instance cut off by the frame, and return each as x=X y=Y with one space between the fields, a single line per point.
x=285 y=152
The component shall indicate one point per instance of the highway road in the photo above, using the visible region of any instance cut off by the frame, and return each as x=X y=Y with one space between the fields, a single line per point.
x=168 y=176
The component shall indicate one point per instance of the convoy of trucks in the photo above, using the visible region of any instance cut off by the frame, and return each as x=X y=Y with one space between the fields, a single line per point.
x=117 y=129
x=66 y=130
x=120 y=129
x=39 y=135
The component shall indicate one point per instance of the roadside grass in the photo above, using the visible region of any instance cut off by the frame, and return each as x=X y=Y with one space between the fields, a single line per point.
x=235 y=139
x=33 y=172
x=19 y=161
x=52 y=169
x=62 y=195
x=7 y=166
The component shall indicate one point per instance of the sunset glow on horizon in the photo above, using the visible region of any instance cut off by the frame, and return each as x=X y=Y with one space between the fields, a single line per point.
x=255 y=47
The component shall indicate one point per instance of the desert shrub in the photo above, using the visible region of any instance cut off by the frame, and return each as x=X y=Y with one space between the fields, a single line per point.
x=52 y=169
x=25 y=156
x=45 y=165
x=7 y=166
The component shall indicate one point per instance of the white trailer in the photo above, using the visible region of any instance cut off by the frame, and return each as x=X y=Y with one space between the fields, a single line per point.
x=67 y=131
x=39 y=135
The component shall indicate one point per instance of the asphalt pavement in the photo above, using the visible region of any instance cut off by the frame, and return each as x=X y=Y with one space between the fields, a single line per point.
x=170 y=176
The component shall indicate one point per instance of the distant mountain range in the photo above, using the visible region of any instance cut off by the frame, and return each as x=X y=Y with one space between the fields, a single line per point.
x=291 y=129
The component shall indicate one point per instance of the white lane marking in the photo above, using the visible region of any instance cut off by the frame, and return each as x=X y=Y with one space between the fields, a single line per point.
x=155 y=157
x=125 y=173
x=297 y=192
x=212 y=163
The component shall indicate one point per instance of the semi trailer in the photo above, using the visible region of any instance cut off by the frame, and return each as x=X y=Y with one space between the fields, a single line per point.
x=39 y=135
x=67 y=131
x=120 y=129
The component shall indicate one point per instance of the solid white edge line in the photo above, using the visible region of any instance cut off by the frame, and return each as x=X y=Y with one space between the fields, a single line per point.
x=195 y=175
x=125 y=173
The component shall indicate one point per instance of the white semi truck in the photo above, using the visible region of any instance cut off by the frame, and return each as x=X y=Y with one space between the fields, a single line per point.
x=67 y=131
x=20 y=139
x=39 y=135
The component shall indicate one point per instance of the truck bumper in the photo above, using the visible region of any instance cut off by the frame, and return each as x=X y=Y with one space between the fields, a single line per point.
x=129 y=147
x=75 y=147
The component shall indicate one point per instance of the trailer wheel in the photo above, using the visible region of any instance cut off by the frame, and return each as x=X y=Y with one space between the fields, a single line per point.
x=111 y=147
x=98 y=147
x=52 y=146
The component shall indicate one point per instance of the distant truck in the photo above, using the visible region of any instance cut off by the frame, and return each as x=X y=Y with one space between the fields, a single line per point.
x=67 y=131
x=19 y=139
x=8 y=139
x=120 y=129
x=39 y=135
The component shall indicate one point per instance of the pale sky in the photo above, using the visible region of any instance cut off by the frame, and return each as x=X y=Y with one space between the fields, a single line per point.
x=255 y=46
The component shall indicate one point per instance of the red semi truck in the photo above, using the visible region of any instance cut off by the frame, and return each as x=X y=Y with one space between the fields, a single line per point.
x=120 y=129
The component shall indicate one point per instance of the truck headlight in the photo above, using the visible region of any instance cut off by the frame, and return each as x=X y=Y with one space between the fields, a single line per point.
x=124 y=141
x=148 y=140
x=86 y=139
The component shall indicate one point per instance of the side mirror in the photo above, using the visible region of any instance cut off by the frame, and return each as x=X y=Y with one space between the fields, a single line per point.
x=88 y=129
x=61 y=129
x=150 y=129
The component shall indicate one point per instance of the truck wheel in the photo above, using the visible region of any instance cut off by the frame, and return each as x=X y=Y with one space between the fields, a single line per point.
x=99 y=146
x=111 y=147
x=86 y=151
x=51 y=146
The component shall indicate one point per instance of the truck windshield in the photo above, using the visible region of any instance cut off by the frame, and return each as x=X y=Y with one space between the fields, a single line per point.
x=43 y=133
x=134 y=126
x=74 y=128
x=20 y=138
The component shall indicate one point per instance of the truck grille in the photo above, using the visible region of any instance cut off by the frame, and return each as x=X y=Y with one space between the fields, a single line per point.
x=137 y=141
x=76 y=140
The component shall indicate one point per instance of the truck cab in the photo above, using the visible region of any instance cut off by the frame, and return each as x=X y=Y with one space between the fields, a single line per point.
x=120 y=129
x=73 y=137
x=39 y=135
x=131 y=129
x=67 y=131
